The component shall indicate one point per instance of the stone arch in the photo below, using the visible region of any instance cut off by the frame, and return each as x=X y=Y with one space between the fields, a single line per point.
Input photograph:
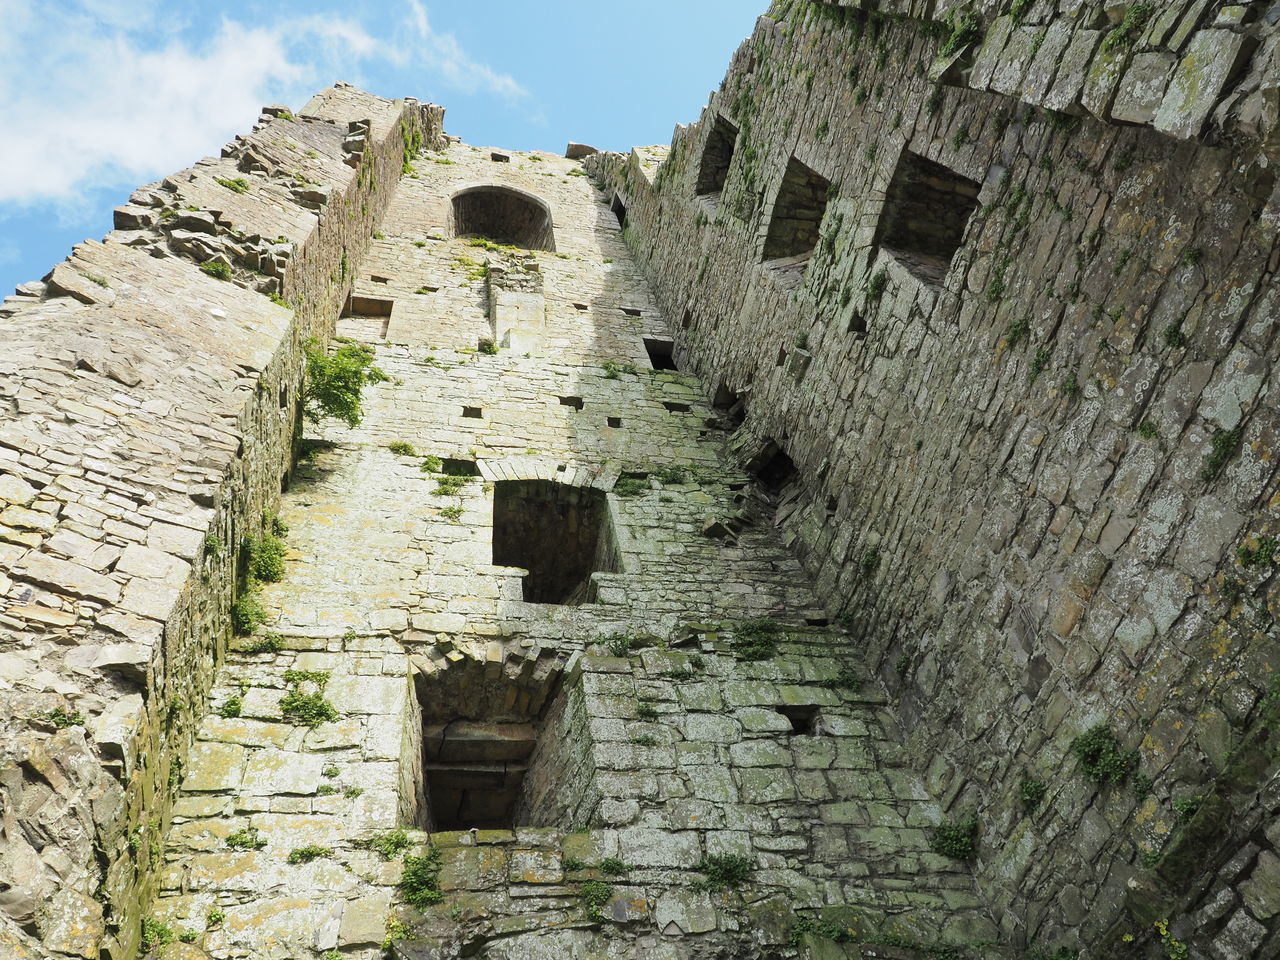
x=504 y=215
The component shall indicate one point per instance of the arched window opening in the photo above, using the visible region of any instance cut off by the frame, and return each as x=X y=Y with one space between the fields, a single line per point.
x=503 y=215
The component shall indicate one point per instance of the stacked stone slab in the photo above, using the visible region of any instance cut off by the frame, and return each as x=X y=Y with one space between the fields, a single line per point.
x=1042 y=490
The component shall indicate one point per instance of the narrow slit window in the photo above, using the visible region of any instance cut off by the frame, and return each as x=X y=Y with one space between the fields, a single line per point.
x=926 y=211
x=619 y=210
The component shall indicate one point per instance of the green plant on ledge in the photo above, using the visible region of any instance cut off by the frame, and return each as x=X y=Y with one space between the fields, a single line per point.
x=216 y=269
x=595 y=895
x=756 y=640
x=420 y=882
x=957 y=840
x=723 y=870
x=1100 y=756
x=1032 y=793
x=308 y=853
x=387 y=845
x=246 y=838
x=306 y=709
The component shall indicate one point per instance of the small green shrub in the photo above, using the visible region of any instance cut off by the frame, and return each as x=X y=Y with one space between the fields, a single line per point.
x=156 y=934
x=1126 y=32
x=1261 y=555
x=1173 y=336
x=431 y=464
x=846 y=678
x=572 y=864
x=632 y=487
x=646 y=711
x=964 y=31
x=334 y=382
x=723 y=870
x=1186 y=807
x=1100 y=757
x=1222 y=447
x=448 y=486
x=488 y=346
x=595 y=895
x=1148 y=430
x=878 y=283
x=387 y=845
x=1032 y=793
x=326 y=790
x=61 y=719
x=453 y=514
x=246 y=838
x=756 y=639
x=247 y=613
x=613 y=867
x=619 y=644
x=307 y=709
x=420 y=882
x=672 y=475
x=214 y=918
x=352 y=792
x=271 y=643
x=402 y=449
x=645 y=740
x=234 y=184
x=308 y=853
x=266 y=558
x=957 y=840
x=212 y=545
x=232 y=707
x=216 y=269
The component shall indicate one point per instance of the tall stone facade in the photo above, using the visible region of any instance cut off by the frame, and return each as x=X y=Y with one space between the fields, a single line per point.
x=848 y=532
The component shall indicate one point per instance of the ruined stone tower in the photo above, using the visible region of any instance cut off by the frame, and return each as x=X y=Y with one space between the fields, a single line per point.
x=850 y=531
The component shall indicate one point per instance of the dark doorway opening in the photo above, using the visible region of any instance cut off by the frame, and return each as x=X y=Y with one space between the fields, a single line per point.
x=773 y=469
x=619 y=210
x=803 y=718
x=560 y=534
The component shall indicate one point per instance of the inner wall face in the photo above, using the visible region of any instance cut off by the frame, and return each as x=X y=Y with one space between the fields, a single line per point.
x=559 y=533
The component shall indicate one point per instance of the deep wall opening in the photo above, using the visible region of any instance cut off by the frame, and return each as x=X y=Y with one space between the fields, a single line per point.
x=619 y=210
x=927 y=208
x=661 y=353
x=480 y=742
x=797 y=215
x=717 y=156
x=560 y=534
x=503 y=215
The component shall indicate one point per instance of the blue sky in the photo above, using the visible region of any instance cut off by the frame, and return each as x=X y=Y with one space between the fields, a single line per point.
x=100 y=96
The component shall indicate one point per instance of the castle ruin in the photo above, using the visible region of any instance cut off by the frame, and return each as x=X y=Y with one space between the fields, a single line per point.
x=850 y=531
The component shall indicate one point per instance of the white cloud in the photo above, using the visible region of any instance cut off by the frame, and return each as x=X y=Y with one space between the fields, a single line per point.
x=442 y=52
x=108 y=92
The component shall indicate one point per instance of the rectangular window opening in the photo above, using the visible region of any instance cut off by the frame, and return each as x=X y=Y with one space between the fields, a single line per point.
x=614 y=421
x=575 y=402
x=631 y=311
x=498 y=746
x=560 y=534
x=796 y=223
x=368 y=307
x=673 y=407
x=927 y=208
x=475 y=413
x=661 y=353
x=717 y=156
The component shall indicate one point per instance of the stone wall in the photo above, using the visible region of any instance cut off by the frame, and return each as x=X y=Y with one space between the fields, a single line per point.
x=151 y=413
x=1038 y=487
